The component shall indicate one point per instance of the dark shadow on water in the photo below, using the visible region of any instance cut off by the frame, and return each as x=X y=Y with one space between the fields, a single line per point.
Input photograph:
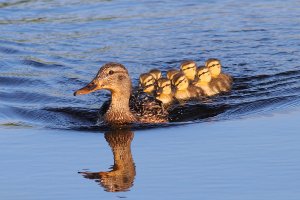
x=122 y=173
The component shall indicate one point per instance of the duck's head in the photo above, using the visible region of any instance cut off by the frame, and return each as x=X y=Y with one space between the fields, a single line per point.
x=163 y=86
x=156 y=73
x=147 y=82
x=171 y=73
x=203 y=74
x=180 y=81
x=214 y=66
x=189 y=69
x=111 y=76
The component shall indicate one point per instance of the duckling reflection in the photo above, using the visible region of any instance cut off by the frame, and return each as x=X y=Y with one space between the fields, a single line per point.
x=121 y=177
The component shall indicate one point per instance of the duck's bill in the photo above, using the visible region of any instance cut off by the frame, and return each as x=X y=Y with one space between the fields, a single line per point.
x=159 y=91
x=91 y=87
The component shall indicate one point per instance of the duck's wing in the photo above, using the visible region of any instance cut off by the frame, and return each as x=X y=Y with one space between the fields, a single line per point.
x=147 y=108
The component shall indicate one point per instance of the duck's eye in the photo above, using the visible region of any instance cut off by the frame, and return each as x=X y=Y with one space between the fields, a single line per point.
x=111 y=72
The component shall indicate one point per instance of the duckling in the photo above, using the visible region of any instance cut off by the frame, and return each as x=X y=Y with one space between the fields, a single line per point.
x=147 y=83
x=156 y=73
x=202 y=81
x=164 y=91
x=189 y=69
x=220 y=82
x=184 y=91
x=171 y=73
x=125 y=107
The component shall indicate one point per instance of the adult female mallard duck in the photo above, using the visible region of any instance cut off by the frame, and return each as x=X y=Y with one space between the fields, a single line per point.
x=220 y=82
x=125 y=107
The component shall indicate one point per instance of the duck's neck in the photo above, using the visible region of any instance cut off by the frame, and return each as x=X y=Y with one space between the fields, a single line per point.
x=119 y=111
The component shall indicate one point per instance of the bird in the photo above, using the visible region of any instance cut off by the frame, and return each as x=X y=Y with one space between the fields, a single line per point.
x=189 y=68
x=171 y=73
x=125 y=106
x=183 y=90
x=164 y=91
x=202 y=81
x=220 y=82
x=147 y=83
x=156 y=73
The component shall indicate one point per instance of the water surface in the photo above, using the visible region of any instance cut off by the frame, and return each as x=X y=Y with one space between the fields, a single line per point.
x=49 y=49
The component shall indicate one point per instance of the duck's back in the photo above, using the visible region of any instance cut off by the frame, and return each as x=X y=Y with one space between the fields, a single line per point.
x=147 y=108
x=221 y=84
x=195 y=92
x=207 y=90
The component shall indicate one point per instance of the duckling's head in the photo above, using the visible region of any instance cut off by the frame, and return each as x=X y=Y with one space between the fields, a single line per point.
x=180 y=81
x=189 y=69
x=163 y=86
x=111 y=76
x=156 y=73
x=214 y=66
x=203 y=74
x=147 y=82
x=171 y=73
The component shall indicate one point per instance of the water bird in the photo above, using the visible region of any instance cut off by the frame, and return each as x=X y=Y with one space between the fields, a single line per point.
x=189 y=68
x=156 y=73
x=183 y=90
x=220 y=82
x=202 y=81
x=171 y=73
x=125 y=106
x=147 y=83
x=164 y=91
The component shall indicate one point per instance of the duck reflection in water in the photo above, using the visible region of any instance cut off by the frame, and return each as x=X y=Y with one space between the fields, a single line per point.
x=121 y=177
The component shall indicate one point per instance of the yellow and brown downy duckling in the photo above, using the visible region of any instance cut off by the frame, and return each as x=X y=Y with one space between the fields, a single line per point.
x=220 y=82
x=124 y=107
x=189 y=69
x=171 y=73
x=156 y=73
x=183 y=90
x=202 y=81
x=164 y=91
x=147 y=83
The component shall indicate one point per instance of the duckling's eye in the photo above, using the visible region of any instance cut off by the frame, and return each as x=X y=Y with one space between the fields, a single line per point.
x=111 y=72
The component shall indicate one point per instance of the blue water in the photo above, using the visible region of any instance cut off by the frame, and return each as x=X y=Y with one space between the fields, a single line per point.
x=235 y=146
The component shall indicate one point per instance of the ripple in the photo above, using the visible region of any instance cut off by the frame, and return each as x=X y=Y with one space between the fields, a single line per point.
x=35 y=62
x=50 y=48
x=8 y=50
x=13 y=81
